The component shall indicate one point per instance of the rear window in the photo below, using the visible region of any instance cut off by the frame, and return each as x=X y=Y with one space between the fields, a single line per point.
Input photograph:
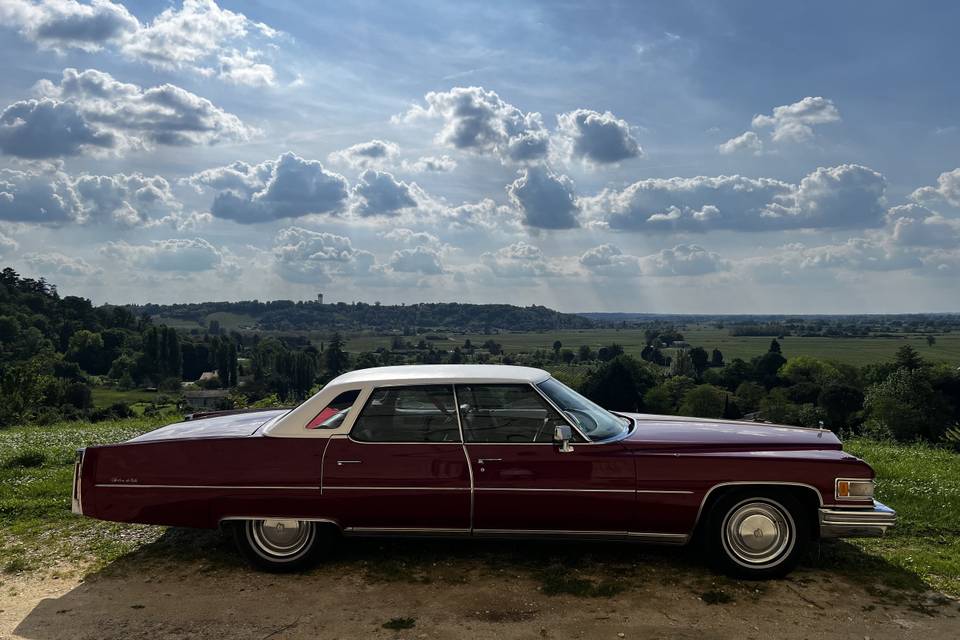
x=333 y=415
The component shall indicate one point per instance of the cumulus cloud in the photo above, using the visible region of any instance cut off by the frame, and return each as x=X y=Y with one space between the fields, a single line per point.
x=597 y=138
x=477 y=120
x=36 y=129
x=53 y=197
x=485 y=215
x=375 y=153
x=7 y=244
x=431 y=164
x=846 y=196
x=545 y=198
x=788 y=123
x=424 y=260
x=409 y=236
x=795 y=122
x=68 y=24
x=519 y=260
x=165 y=114
x=288 y=187
x=947 y=189
x=305 y=256
x=52 y=263
x=199 y=36
x=378 y=193
x=917 y=226
x=747 y=141
x=175 y=254
x=681 y=260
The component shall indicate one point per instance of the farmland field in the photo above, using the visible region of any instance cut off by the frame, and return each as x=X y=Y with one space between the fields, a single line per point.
x=855 y=351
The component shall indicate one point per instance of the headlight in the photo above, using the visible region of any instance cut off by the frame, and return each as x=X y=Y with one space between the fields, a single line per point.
x=854 y=489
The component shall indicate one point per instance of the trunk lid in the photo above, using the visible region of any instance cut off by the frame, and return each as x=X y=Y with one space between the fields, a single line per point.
x=235 y=425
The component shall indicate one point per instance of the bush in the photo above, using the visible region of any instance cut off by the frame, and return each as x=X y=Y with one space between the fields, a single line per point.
x=704 y=401
x=116 y=411
x=620 y=384
x=907 y=405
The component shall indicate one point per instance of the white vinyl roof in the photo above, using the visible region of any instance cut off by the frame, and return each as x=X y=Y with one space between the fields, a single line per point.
x=291 y=424
x=434 y=373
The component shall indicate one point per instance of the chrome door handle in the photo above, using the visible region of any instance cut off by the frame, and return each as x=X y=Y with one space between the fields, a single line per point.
x=485 y=460
x=340 y=463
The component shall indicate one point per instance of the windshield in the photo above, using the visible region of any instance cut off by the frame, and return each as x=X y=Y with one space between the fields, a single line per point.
x=593 y=420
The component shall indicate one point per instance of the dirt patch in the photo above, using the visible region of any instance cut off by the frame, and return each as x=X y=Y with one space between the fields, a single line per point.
x=469 y=590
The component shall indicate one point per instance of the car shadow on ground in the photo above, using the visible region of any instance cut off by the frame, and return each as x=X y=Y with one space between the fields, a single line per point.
x=186 y=566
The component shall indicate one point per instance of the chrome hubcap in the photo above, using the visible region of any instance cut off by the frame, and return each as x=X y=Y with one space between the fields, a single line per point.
x=280 y=538
x=758 y=533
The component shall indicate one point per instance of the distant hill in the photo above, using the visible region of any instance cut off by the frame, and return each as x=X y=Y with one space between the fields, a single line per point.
x=287 y=315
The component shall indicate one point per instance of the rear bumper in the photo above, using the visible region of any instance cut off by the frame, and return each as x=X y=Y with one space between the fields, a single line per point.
x=838 y=522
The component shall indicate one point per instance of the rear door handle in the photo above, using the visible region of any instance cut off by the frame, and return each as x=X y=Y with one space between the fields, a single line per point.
x=485 y=460
x=340 y=463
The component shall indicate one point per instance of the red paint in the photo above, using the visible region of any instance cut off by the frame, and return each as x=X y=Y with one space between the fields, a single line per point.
x=236 y=472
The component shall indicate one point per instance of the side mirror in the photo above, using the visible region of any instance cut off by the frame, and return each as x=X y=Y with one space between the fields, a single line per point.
x=562 y=435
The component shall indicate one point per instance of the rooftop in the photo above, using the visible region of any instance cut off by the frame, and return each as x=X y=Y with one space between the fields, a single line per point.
x=443 y=373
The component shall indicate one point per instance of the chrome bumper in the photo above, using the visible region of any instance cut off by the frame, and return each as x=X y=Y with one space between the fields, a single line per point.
x=839 y=522
x=76 y=505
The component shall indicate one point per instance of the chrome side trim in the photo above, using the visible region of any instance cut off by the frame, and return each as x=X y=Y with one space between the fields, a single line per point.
x=399 y=488
x=758 y=483
x=677 y=491
x=549 y=490
x=76 y=499
x=388 y=531
x=856 y=523
x=661 y=538
x=199 y=486
x=651 y=537
x=245 y=518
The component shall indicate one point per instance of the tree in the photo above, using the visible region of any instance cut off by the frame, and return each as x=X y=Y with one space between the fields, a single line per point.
x=716 y=358
x=700 y=359
x=804 y=369
x=683 y=365
x=931 y=341
x=765 y=368
x=840 y=401
x=704 y=401
x=335 y=359
x=609 y=352
x=619 y=384
x=584 y=353
x=749 y=395
x=908 y=358
x=86 y=349
x=906 y=406
x=665 y=398
x=774 y=346
x=557 y=345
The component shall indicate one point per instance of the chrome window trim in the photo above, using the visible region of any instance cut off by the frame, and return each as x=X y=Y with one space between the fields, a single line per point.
x=765 y=483
x=466 y=454
x=633 y=422
x=76 y=498
x=563 y=414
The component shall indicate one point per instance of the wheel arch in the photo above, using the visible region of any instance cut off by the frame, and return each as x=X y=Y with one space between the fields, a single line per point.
x=807 y=495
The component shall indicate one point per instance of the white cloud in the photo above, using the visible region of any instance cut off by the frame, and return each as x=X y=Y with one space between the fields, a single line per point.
x=917 y=226
x=424 y=260
x=375 y=153
x=7 y=244
x=380 y=194
x=948 y=189
x=409 y=236
x=52 y=263
x=681 y=260
x=199 y=36
x=597 y=138
x=68 y=24
x=305 y=256
x=55 y=198
x=431 y=164
x=795 y=122
x=519 y=260
x=747 y=141
x=175 y=254
x=545 y=198
x=485 y=215
x=846 y=196
x=478 y=120
x=610 y=260
x=90 y=110
x=288 y=187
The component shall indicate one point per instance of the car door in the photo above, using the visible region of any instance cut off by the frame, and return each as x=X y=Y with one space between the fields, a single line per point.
x=523 y=482
x=402 y=467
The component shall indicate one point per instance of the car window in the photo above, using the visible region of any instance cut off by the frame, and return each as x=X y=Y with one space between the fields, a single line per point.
x=509 y=413
x=333 y=415
x=408 y=414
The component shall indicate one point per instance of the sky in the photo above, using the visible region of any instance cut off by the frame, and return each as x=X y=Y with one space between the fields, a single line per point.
x=681 y=157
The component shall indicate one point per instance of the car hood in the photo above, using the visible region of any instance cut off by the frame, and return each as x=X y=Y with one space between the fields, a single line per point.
x=234 y=425
x=674 y=432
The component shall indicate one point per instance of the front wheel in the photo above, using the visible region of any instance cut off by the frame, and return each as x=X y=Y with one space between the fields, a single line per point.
x=280 y=545
x=756 y=536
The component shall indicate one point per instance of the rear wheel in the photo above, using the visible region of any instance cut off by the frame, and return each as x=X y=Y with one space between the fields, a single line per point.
x=282 y=545
x=757 y=535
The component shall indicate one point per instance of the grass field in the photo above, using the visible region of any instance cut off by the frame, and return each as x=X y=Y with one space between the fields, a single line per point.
x=38 y=532
x=856 y=351
x=104 y=397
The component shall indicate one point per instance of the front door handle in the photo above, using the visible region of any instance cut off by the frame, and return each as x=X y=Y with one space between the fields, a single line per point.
x=340 y=463
x=485 y=460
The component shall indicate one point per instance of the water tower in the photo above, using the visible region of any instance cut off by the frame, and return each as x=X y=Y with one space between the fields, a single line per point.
x=319 y=298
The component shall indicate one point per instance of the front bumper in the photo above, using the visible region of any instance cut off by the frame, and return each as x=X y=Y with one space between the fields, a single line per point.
x=840 y=522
